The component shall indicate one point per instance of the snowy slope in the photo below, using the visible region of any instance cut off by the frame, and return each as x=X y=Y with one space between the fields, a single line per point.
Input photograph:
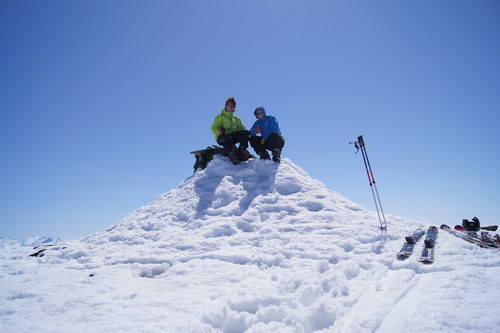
x=258 y=247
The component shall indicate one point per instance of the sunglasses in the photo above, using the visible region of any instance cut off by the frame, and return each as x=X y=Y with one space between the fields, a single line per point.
x=232 y=106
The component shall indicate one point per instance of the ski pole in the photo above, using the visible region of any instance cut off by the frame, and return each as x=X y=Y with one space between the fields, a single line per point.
x=360 y=144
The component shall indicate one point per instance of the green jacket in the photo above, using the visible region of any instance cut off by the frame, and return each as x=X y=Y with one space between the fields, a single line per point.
x=228 y=121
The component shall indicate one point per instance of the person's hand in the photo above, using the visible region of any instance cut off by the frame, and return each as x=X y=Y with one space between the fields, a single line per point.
x=258 y=130
x=263 y=141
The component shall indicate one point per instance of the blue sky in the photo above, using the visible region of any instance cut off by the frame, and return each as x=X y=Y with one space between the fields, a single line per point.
x=102 y=101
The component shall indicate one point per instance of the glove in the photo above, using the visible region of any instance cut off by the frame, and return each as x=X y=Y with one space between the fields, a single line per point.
x=222 y=131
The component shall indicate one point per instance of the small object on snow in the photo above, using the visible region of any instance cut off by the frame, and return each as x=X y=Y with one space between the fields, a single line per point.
x=38 y=253
x=42 y=248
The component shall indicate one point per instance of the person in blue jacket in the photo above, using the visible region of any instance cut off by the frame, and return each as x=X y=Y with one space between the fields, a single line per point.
x=265 y=135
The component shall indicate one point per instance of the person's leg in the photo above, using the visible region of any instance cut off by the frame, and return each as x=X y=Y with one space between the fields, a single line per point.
x=226 y=141
x=275 y=143
x=259 y=148
x=241 y=137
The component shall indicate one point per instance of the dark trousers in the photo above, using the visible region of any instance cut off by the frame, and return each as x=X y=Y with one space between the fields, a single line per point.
x=229 y=140
x=273 y=142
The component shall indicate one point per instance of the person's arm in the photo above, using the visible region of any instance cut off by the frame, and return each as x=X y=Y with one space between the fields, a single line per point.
x=253 y=130
x=217 y=124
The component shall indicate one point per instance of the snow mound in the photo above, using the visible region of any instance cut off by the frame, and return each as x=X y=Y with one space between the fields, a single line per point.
x=257 y=247
x=40 y=240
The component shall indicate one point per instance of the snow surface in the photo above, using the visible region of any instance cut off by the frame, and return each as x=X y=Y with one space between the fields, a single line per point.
x=258 y=247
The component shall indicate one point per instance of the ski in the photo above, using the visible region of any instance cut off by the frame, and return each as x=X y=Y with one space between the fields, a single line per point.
x=472 y=237
x=410 y=242
x=484 y=237
x=488 y=228
x=429 y=245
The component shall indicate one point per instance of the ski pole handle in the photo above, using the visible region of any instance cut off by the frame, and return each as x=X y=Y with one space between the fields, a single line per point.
x=361 y=142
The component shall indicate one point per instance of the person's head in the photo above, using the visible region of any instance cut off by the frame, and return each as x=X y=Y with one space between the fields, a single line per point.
x=230 y=104
x=259 y=112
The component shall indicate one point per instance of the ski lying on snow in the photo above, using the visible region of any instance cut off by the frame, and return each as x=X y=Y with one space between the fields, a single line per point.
x=488 y=228
x=410 y=242
x=472 y=237
x=485 y=237
x=429 y=244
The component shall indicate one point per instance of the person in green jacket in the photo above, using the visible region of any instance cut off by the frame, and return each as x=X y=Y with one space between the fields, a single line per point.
x=229 y=130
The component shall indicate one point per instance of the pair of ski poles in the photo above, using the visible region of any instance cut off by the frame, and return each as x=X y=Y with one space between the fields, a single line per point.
x=360 y=144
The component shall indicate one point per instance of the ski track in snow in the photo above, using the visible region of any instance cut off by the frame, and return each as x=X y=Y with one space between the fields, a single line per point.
x=258 y=247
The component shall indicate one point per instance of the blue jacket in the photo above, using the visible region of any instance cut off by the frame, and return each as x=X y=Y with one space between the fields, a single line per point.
x=268 y=124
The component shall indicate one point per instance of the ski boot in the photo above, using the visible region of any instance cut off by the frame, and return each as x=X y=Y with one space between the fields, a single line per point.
x=264 y=155
x=242 y=150
x=471 y=225
x=233 y=157
x=277 y=156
